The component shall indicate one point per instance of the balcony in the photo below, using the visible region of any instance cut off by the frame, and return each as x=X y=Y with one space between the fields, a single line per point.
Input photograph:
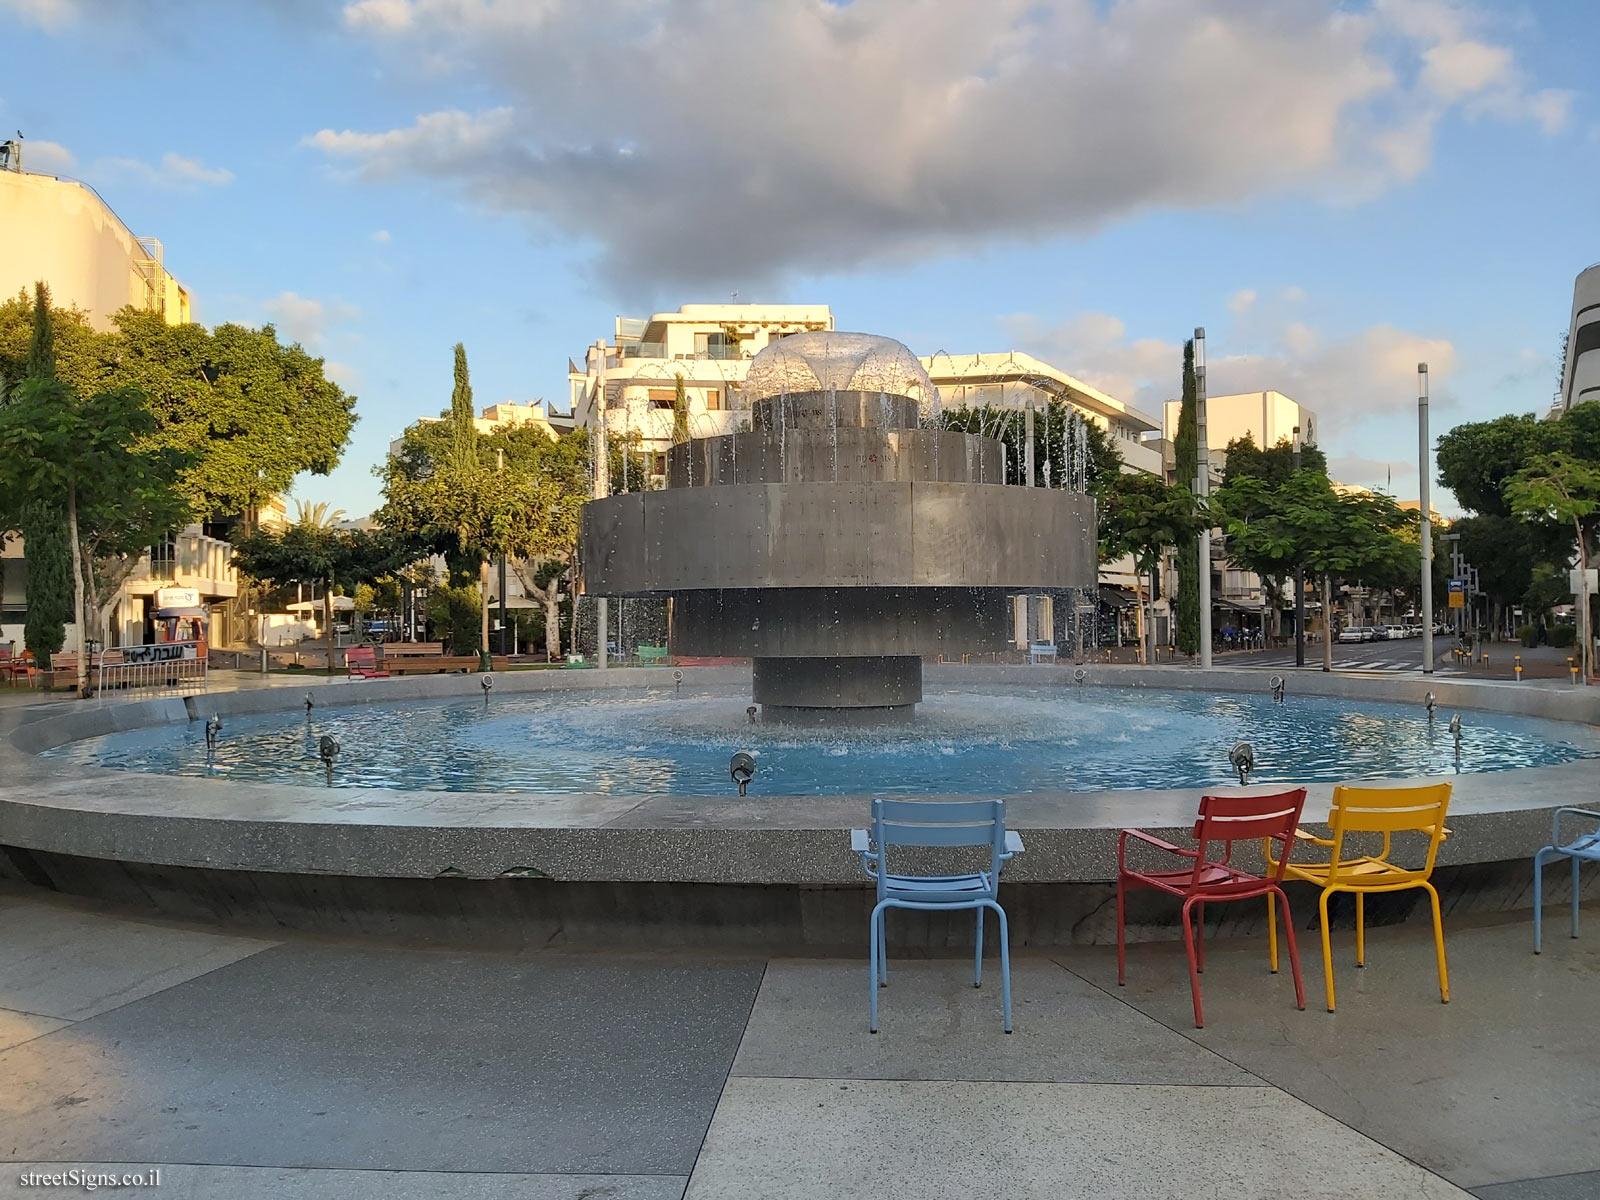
x=188 y=560
x=658 y=351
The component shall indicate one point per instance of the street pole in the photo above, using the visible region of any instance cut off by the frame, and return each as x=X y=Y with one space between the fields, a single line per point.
x=1299 y=583
x=602 y=488
x=1424 y=472
x=1202 y=489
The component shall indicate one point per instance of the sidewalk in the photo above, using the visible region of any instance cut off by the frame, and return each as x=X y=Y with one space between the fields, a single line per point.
x=419 y=1073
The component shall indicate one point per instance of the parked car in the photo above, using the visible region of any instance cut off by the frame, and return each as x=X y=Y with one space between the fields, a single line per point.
x=1356 y=633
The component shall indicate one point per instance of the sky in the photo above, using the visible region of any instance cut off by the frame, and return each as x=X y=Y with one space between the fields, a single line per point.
x=1335 y=191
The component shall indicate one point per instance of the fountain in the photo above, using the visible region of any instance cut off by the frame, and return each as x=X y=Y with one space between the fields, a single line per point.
x=841 y=537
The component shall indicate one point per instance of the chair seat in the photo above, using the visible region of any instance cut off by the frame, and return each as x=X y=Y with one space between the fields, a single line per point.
x=1588 y=846
x=1214 y=877
x=1372 y=872
x=932 y=889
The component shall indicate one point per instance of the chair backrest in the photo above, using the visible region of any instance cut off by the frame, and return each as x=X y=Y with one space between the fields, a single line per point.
x=1230 y=819
x=1416 y=808
x=361 y=656
x=939 y=823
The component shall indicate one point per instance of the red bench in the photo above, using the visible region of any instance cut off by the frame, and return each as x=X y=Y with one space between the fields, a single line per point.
x=362 y=663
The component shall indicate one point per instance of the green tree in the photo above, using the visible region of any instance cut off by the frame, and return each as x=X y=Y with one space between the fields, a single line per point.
x=318 y=514
x=1563 y=487
x=92 y=455
x=680 y=412
x=40 y=518
x=315 y=554
x=1143 y=516
x=1274 y=464
x=1186 y=464
x=1476 y=459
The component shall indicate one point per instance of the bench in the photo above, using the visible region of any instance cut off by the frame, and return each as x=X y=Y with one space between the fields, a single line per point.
x=1041 y=652
x=413 y=649
x=438 y=664
x=361 y=662
x=652 y=656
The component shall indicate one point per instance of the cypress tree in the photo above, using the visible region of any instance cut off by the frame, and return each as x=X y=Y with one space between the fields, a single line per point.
x=44 y=526
x=1186 y=456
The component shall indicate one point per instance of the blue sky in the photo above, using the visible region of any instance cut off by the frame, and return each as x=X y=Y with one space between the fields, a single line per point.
x=1334 y=191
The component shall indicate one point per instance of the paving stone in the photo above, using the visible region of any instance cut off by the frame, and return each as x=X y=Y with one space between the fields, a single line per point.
x=343 y=1056
x=19 y=1027
x=924 y=1140
x=810 y=1020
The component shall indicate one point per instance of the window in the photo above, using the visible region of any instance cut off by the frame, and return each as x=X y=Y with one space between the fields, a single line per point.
x=713 y=399
x=662 y=398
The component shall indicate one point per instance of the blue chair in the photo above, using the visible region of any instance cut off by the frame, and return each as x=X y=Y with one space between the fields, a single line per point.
x=936 y=823
x=1585 y=847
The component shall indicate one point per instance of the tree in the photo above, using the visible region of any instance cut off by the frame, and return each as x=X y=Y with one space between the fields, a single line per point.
x=1274 y=464
x=92 y=456
x=1143 y=516
x=40 y=519
x=309 y=553
x=1563 y=487
x=1186 y=460
x=542 y=579
x=317 y=514
x=1476 y=459
x=680 y=412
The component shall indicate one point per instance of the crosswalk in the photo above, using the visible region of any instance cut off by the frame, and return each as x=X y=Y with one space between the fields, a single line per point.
x=1277 y=661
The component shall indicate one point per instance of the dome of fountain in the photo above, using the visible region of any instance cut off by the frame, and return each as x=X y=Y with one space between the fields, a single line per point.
x=839 y=362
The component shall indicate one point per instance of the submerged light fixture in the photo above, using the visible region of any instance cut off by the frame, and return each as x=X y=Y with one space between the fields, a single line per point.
x=1243 y=759
x=742 y=766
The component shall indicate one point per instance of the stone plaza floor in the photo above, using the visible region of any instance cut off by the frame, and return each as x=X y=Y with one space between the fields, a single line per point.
x=309 y=1068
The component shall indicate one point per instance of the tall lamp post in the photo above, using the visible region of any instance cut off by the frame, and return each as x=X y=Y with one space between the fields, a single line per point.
x=1202 y=489
x=1424 y=471
x=602 y=488
x=1299 y=585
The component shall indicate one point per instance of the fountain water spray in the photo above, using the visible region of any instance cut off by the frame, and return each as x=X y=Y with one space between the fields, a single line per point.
x=1243 y=759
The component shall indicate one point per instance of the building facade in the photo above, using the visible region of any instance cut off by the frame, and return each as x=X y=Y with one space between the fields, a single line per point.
x=708 y=346
x=508 y=412
x=1267 y=418
x=61 y=231
x=1580 y=374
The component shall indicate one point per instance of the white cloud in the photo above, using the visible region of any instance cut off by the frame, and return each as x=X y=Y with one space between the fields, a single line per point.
x=380 y=235
x=343 y=374
x=747 y=139
x=174 y=171
x=306 y=320
x=1241 y=301
x=47 y=158
x=1293 y=294
x=49 y=15
x=1352 y=383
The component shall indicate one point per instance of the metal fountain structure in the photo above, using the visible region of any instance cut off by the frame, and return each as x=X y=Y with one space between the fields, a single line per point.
x=840 y=535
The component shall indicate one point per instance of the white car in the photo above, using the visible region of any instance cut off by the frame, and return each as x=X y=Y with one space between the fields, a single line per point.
x=1356 y=633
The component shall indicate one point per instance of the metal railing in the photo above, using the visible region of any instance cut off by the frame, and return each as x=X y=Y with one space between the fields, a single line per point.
x=168 y=666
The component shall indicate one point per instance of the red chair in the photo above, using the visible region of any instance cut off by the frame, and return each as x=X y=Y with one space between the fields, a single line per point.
x=1225 y=819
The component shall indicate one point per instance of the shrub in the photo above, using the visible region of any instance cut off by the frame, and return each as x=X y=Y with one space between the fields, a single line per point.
x=1529 y=634
x=1562 y=636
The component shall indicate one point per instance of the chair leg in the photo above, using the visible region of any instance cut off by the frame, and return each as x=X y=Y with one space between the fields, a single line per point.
x=1122 y=936
x=977 y=957
x=1538 y=901
x=1294 y=952
x=1361 y=929
x=1194 y=967
x=874 y=951
x=1200 y=937
x=1576 y=863
x=1438 y=944
x=1327 y=947
x=883 y=948
x=1005 y=966
x=1272 y=931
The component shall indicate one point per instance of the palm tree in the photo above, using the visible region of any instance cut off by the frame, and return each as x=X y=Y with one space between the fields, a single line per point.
x=317 y=516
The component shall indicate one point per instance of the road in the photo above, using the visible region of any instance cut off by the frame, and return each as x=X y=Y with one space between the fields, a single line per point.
x=1394 y=657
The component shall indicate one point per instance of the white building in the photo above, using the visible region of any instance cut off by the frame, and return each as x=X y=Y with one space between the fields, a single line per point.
x=506 y=413
x=1266 y=417
x=1580 y=375
x=708 y=346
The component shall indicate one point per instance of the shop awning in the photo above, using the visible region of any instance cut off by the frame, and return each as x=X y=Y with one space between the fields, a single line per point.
x=1117 y=597
x=164 y=613
x=1236 y=605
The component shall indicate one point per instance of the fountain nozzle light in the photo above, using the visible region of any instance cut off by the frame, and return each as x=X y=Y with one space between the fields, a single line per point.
x=752 y=712
x=488 y=684
x=677 y=682
x=328 y=749
x=213 y=729
x=311 y=702
x=1243 y=759
x=1430 y=702
x=1276 y=684
x=1079 y=675
x=742 y=766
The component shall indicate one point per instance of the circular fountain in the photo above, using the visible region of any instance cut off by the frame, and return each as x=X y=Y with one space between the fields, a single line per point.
x=842 y=537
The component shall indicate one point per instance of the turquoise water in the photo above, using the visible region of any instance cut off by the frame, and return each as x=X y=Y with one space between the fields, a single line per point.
x=976 y=742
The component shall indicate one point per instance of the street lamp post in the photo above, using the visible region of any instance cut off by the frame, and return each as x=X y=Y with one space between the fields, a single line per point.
x=1299 y=585
x=1424 y=471
x=1202 y=489
x=602 y=488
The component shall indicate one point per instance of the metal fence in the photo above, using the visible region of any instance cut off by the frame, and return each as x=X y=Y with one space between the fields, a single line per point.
x=165 y=666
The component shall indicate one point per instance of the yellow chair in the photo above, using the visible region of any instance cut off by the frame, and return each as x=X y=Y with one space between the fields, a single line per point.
x=1385 y=810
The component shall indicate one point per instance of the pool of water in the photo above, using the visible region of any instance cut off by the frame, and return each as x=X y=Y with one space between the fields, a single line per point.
x=975 y=741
